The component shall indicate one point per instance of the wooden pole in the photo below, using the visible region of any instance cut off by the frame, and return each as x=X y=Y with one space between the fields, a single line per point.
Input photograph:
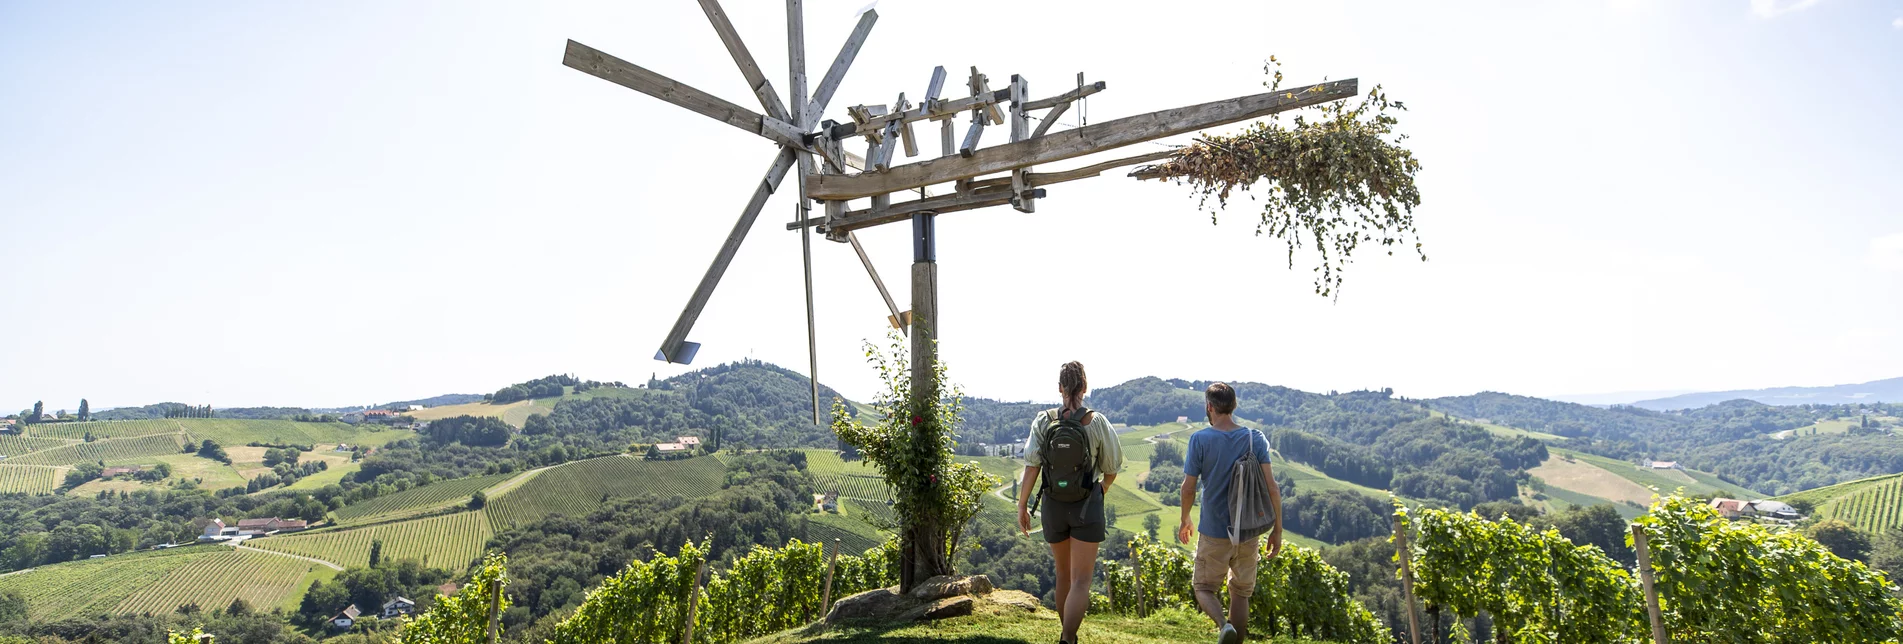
x=1644 y=550
x=1407 y=581
x=1136 y=568
x=693 y=602
x=495 y=609
x=826 y=603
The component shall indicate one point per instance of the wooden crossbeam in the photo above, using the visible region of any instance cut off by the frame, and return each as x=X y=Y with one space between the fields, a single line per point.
x=738 y=49
x=986 y=191
x=1070 y=144
x=632 y=76
x=830 y=82
x=1066 y=97
x=672 y=347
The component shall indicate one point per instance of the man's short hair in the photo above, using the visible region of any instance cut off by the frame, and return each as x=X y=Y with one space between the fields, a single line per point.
x=1221 y=397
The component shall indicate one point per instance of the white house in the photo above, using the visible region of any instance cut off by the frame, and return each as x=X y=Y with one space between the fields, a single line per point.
x=1775 y=509
x=1666 y=465
x=398 y=606
x=690 y=441
x=344 y=620
x=213 y=530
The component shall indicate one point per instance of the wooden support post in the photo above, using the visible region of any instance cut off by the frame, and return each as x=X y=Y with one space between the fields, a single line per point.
x=1050 y=119
x=1407 y=580
x=804 y=207
x=898 y=318
x=976 y=130
x=693 y=603
x=826 y=601
x=945 y=136
x=1642 y=546
x=495 y=610
x=1021 y=198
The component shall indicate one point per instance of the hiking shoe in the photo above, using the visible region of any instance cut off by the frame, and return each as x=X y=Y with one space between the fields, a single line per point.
x=1229 y=635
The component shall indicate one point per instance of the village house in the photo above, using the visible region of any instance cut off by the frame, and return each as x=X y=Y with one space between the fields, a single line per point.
x=216 y=530
x=689 y=441
x=119 y=470
x=398 y=606
x=1728 y=508
x=1666 y=465
x=1773 y=509
x=344 y=620
x=271 y=525
x=670 y=448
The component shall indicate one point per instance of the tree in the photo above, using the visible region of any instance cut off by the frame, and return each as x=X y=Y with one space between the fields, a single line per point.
x=213 y=451
x=39 y=409
x=1843 y=539
x=478 y=500
x=238 y=607
x=376 y=552
x=85 y=410
x=1152 y=524
x=12 y=606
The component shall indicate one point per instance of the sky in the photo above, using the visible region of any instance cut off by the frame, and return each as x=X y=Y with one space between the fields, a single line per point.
x=345 y=203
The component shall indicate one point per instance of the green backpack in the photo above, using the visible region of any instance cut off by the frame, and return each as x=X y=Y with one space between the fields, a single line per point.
x=1069 y=471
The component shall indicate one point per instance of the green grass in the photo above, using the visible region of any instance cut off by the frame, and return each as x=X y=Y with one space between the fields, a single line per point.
x=1664 y=481
x=1499 y=430
x=435 y=495
x=231 y=432
x=447 y=541
x=317 y=481
x=577 y=488
x=30 y=479
x=993 y=624
x=1562 y=499
x=1874 y=504
x=96 y=586
x=110 y=449
x=212 y=581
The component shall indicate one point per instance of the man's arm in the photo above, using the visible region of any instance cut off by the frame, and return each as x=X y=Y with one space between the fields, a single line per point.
x=1275 y=504
x=1189 y=499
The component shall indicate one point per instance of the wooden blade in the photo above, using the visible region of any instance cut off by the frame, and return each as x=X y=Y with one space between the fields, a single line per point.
x=632 y=76
x=1069 y=144
x=796 y=62
x=672 y=347
x=830 y=83
x=738 y=49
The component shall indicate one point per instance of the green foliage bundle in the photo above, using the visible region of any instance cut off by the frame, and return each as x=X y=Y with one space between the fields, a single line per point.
x=464 y=617
x=1733 y=581
x=1336 y=181
x=765 y=591
x=1536 y=585
x=1297 y=594
x=910 y=443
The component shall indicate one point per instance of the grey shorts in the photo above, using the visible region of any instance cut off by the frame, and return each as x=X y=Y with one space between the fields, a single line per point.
x=1081 y=520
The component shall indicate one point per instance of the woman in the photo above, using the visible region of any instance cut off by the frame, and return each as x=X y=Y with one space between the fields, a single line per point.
x=1073 y=528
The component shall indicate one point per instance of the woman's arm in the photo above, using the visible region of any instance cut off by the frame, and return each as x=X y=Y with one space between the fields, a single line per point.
x=1024 y=496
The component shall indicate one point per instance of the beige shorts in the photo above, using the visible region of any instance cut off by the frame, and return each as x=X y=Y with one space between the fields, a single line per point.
x=1217 y=559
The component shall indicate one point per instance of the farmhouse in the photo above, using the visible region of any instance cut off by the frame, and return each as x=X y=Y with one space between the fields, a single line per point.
x=271 y=525
x=346 y=619
x=1666 y=465
x=1773 y=509
x=690 y=441
x=670 y=448
x=1728 y=508
x=216 y=530
x=119 y=470
x=398 y=606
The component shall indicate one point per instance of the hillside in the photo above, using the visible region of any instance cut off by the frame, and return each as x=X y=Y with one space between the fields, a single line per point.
x=37 y=461
x=161 y=581
x=1874 y=504
x=1875 y=391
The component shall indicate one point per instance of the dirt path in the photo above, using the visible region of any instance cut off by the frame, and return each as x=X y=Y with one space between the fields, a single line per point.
x=501 y=488
x=314 y=560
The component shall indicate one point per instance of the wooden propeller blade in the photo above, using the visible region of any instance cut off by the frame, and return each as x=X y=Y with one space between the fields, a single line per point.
x=738 y=49
x=830 y=83
x=672 y=347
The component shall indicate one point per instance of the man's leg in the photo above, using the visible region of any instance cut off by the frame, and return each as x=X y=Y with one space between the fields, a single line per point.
x=1060 y=556
x=1083 y=566
x=1247 y=558
x=1212 y=563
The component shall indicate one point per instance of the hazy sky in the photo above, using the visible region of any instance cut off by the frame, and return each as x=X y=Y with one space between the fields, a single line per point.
x=350 y=202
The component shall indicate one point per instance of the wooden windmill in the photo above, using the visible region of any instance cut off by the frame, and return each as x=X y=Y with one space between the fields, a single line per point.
x=969 y=176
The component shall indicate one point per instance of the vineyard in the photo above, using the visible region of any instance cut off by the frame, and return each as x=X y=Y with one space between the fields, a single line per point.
x=449 y=541
x=852 y=487
x=853 y=534
x=104 y=429
x=211 y=581
x=30 y=479
x=1297 y=593
x=12 y=445
x=577 y=488
x=105 y=450
x=94 y=586
x=1876 y=507
x=438 y=494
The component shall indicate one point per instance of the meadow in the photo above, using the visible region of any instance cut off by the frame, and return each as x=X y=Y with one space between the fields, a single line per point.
x=448 y=541
x=575 y=489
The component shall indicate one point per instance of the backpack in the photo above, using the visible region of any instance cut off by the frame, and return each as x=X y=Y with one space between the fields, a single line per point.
x=1069 y=471
x=1250 y=512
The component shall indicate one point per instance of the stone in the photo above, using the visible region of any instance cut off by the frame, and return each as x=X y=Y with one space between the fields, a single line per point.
x=948 y=607
x=877 y=603
x=944 y=586
x=1014 y=599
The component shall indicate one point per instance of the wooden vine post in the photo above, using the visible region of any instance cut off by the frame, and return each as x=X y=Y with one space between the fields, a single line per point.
x=826 y=596
x=1407 y=580
x=495 y=609
x=693 y=603
x=1642 y=546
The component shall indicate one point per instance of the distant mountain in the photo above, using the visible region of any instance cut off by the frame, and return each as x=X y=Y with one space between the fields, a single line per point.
x=1890 y=390
x=1611 y=398
x=432 y=401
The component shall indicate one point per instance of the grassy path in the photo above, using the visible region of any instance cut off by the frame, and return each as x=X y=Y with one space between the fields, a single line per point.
x=314 y=560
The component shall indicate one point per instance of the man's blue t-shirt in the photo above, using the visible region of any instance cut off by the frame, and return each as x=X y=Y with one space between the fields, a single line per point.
x=1212 y=459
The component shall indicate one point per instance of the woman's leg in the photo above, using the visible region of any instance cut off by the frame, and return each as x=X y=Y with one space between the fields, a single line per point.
x=1060 y=555
x=1083 y=566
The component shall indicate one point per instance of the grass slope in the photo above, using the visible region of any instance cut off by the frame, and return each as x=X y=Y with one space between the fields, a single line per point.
x=996 y=625
x=577 y=488
x=1824 y=495
x=447 y=541
x=1665 y=481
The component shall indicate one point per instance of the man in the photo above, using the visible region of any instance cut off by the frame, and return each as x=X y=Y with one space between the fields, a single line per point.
x=1211 y=459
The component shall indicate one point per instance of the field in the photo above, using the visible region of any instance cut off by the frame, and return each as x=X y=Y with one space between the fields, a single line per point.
x=518 y=412
x=448 y=541
x=111 y=449
x=478 y=409
x=104 y=429
x=434 y=495
x=1665 y=481
x=852 y=487
x=1824 y=495
x=31 y=479
x=575 y=489
x=95 y=586
x=1584 y=478
x=1874 y=504
x=14 y=445
x=212 y=581
x=854 y=535
x=317 y=481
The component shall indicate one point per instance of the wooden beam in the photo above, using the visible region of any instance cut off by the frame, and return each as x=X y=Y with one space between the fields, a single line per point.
x=796 y=62
x=1038 y=179
x=830 y=82
x=1066 y=97
x=1096 y=137
x=677 y=337
x=738 y=49
x=879 y=283
x=1050 y=119
x=945 y=109
x=632 y=76
x=903 y=211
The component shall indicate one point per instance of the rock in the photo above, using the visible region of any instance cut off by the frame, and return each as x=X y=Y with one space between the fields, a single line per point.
x=943 y=586
x=948 y=607
x=872 y=604
x=1015 y=599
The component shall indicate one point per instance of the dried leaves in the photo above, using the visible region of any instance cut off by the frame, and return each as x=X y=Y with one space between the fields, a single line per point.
x=1336 y=181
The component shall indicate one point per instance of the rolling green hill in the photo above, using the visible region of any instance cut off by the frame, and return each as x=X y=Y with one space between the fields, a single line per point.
x=435 y=495
x=160 y=581
x=578 y=487
x=447 y=541
x=1874 y=504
